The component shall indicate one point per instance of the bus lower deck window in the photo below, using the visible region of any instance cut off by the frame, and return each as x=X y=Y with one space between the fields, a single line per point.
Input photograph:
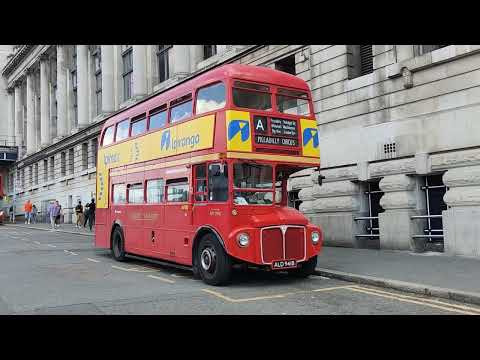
x=177 y=190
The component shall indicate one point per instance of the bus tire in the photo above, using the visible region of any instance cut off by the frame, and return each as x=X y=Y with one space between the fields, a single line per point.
x=307 y=269
x=118 y=244
x=214 y=264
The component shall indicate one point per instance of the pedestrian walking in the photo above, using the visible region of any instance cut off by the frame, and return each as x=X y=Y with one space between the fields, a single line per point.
x=59 y=214
x=52 y=212
x=12 y=216
x=27 y=208
x=79 y=213
x=34 y=214
x=91 y=214
x=86 y=214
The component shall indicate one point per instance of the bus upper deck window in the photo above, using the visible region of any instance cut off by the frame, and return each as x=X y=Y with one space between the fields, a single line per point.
x=158 y=119
x=210 y=98
x=108 y=136
x=139 y=126
x=252 y=96
x=293 y=102
x=181 y=111
x=122 y=130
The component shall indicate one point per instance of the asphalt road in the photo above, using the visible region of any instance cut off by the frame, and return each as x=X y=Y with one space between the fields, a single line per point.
x=44 y=272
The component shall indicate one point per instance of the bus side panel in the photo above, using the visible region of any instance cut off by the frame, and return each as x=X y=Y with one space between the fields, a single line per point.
x=101 y=231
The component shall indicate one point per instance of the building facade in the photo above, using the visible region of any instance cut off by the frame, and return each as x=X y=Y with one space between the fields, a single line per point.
x=399 y=138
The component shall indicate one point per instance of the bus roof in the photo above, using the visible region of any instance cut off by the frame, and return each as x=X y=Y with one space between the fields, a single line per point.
x=237 y=71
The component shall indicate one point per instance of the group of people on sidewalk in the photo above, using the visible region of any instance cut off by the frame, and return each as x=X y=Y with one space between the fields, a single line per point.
x=30 y=210
x=87 y=216
x=54 y=213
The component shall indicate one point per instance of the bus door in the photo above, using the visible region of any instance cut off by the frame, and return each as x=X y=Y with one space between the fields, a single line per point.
x=178 y=219
x=154 y=241
x=118 y=201
x=134 y=211
x=210 y=184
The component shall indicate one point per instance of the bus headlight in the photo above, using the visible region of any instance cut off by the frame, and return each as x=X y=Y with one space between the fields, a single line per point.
x=243 y=239
x=315 y=237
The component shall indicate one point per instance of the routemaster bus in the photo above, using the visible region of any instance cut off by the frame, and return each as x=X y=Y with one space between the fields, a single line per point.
x=196 y=176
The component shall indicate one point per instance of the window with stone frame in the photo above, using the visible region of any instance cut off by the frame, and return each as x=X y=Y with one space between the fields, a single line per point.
x=53 y=84
x=127 y=63
x=423 y=49
x=35 y=174
x=71 y=161
x=94 y=145
x=209 y=51
x=45 y=170
x=359 y=60
x=73 y=73
x=52 y=168
x=30 y=175
x=85 y=156
x=97 y=63
x=163 y=63
x=63 y=164
x=287 y=64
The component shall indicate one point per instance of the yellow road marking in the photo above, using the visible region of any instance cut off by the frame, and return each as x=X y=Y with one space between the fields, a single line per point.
x=93 y=260
x=434 y=301
x=276 y=296
x=365 y=291
x=161 y=279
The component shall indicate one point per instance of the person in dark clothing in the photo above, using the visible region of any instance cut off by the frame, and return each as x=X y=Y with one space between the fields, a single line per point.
x=90 y=214
x=86 y=214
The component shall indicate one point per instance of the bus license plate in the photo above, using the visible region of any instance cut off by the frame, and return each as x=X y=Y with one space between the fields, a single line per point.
x=284 y=264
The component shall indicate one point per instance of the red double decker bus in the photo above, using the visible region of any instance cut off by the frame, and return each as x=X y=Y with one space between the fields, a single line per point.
x=197 y=176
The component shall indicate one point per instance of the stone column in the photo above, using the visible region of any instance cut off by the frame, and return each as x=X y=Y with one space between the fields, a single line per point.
x=18 y=117
x=31 y=134
x=108 y=95
x=181 y=61
x=333 y=206
x=62 y=71
x=11 y=117
x=82 y=86
x=44 y=103
x=221 y=49
x=139 y=55
x=400 y=202
x=461 y=222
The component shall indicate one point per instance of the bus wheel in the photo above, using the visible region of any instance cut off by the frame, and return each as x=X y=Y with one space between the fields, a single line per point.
x=214 y=264
x=307 y=269
x=118 y=249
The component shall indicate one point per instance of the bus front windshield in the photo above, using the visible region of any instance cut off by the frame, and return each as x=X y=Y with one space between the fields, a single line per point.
x=253 y=184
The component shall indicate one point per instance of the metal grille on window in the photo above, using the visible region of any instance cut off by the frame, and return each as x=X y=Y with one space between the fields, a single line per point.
x=163 y=64
x=127 y=73
x=74 y=84
x=209 y=51
x=373 y=195
x=366 y=59
x=293 y=200
x=97 y=57
x=434 y=189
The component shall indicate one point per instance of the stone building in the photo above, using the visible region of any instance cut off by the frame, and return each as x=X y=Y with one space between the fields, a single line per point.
x=399 y=138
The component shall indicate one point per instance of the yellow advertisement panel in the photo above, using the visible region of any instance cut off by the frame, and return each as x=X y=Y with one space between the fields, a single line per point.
x=239 y=132
x=179 y=139
x=310 y=138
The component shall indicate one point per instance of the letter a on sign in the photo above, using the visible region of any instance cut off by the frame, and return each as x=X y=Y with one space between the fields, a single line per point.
x=260 y=124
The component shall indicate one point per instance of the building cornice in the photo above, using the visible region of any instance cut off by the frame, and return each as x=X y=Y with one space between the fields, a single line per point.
x=17 y=59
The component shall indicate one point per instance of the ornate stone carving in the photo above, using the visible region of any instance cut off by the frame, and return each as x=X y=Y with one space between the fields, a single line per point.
x=398 y=200
x=344 y=173
x=392 y=167
x=462 y=176
x=458 y=158
x=337 y=188
x=398 y=182
x=407 y=78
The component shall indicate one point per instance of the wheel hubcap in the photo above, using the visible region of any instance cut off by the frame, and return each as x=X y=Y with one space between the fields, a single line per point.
x=208 y=259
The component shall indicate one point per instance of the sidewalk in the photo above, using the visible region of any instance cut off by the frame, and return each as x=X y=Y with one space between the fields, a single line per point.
x=429 y=273
x=64 y=228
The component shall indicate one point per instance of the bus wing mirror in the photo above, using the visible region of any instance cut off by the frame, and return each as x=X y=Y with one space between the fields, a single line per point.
x=320 y=179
